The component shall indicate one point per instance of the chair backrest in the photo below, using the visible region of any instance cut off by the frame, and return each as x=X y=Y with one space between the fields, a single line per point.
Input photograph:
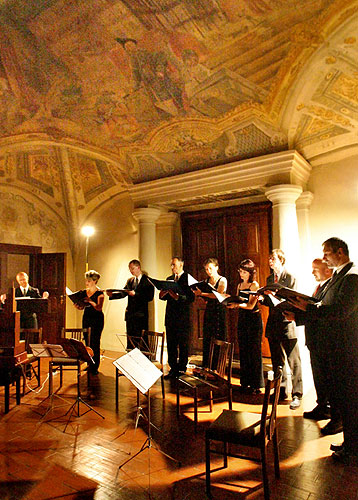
x=31 y=336
x=82 y=334
x=155 y=342
x=272 y=393
x=220 y=358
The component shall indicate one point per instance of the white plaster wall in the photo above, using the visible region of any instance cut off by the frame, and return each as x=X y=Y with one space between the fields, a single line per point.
x=113 y=245
x=334 y=209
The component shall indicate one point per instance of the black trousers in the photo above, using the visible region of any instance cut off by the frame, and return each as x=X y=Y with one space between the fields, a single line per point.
x=280 y=350
x=177 y=345
x=319 y=369
x=134 y=326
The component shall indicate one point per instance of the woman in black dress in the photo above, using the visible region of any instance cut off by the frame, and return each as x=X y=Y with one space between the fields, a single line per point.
x=249 y=330
x=93 y=316
x=214 y=317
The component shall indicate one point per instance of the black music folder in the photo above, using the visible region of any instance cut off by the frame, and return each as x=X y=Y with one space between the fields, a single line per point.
x=282 y=292
x=78 y=298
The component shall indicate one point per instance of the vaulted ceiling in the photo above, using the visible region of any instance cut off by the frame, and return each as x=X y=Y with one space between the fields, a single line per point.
x=99 y=96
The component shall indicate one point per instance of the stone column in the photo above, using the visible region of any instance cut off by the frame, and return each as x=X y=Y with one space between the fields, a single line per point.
x=303 y=205
x=166 y=248
x=284 y=225
x=147 y=218
x=286 y=236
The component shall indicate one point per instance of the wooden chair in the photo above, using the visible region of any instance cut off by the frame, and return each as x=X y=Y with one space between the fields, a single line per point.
x=82 y=334
x=31 y=366
x=250 y=430
x=217 y=377
x=152 y=345
x=155 y=342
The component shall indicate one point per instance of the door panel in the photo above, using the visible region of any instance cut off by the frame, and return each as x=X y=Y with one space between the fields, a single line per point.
x=48 y=273
x=231 y=235
x=202 y=240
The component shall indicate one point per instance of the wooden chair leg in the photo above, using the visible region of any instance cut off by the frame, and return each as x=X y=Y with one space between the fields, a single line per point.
x=163 y=391
x=178 y=399
x=7 y=396
x=211 y=401
x=230 y=398
x=264 y=473
x=23 y=383
x=225 y=453
x=37 y=372
x=207 y=466
x=276 y=454
x=195 y=410
x=117 y=387
x=18 y=390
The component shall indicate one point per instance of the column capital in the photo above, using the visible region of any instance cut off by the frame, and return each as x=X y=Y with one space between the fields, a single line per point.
x=305 y=200
x=283 y=193
x=147 y=215
x=168 y=219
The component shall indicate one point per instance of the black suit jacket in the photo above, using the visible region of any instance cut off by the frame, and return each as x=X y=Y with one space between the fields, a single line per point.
x=337 y=313
x=313 y=332
x=178 y=311
x=31 y=292
x=337 y=318
x=277 y=326
x=137 y=306
x=28 y=319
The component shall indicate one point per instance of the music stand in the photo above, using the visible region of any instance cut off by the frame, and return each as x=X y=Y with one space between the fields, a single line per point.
x=139 y=370
x=77 y=350
x=133 y=341
x=74 y=350
x=49 y=351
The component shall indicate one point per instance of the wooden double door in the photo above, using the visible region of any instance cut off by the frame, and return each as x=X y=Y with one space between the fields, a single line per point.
x=231 y=235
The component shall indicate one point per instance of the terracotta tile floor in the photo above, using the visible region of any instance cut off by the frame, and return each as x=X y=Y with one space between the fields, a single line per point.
x=39 y=461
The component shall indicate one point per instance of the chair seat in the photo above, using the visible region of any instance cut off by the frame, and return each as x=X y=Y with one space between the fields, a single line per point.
x=238 y=427
x=193 y=382
x=65 y=361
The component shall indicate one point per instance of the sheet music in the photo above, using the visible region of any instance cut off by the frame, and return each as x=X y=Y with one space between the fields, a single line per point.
x=275 y=301
x=48 y=351
x=138 y=369
x=191 y=280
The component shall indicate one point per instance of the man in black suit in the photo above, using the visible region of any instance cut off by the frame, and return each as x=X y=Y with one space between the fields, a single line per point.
x=28 y=319
x=140 y=292
x=322 y=410
x=177 y=319
x=337 y=316
x=281 y=333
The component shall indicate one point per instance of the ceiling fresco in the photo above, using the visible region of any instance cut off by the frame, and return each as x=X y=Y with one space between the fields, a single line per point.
x=103 y=94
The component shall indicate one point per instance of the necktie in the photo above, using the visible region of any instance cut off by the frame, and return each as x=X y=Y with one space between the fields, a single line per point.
x=317 y=290
x=176 y=277
x=135 y=283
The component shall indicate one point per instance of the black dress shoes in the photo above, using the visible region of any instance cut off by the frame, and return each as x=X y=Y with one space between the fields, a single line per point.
x=333 y=427
x=318 y=413
x=336 y=447
x=282 y=395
